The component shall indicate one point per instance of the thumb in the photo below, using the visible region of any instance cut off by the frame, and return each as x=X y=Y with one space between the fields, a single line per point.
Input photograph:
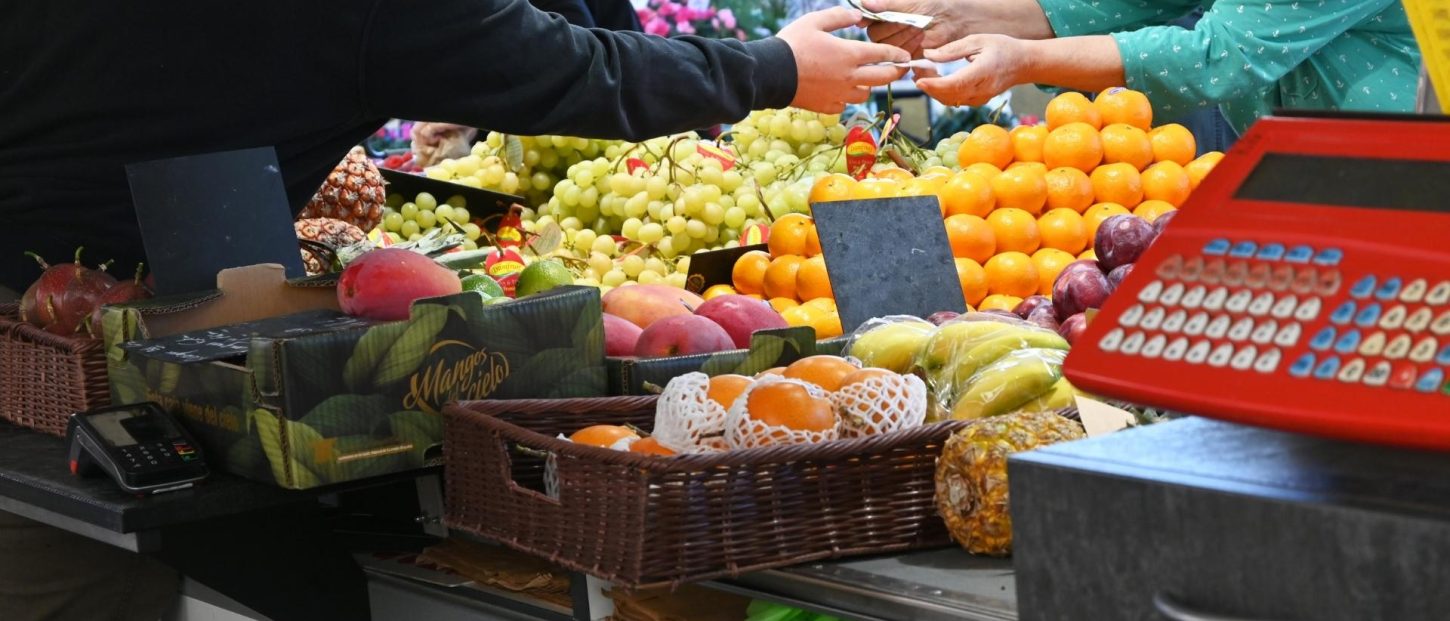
x=881 y=6
x=832 y=19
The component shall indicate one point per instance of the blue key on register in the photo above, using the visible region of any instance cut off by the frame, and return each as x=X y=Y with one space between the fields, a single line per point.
x=1364 y=287
x=1329 y=257
x=1444 y=357
x=1271 y=252
x=1299 y=254
x=1368 y=316
x=1303 y=366
x=1389 y=290
x=1344 y=314
x=1327 y=368
x=1323 y=340
x=1243 y=250
x=1430 y=380
x=1348 y=342
x=1217 y=247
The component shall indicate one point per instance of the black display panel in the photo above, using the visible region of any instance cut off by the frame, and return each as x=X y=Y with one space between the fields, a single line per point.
x=1408 y=185
x=128 y=428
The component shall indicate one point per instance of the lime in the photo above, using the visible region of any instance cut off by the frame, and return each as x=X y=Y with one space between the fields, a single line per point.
x=542 y=276
x=484 y=284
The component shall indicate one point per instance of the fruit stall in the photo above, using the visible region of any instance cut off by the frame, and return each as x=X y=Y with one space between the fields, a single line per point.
x=568 y=378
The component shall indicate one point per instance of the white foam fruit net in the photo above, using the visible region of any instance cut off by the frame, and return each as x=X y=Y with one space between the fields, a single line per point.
x=880 y=404
x=744 y=431
x=686 y=419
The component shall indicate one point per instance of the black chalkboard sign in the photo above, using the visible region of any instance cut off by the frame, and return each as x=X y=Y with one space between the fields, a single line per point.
x=713 y=268
x=234 y=340
x=205 y=213
x=887 y=257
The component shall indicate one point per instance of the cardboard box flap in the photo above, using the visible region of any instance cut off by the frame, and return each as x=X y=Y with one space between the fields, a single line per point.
x=243 y=294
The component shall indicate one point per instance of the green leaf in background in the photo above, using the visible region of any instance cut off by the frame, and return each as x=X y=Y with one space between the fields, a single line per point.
x=421 y=429
x=345 y=415
x=513 y=151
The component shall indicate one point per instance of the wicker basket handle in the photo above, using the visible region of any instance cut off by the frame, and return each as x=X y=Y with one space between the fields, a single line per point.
x=543 y=501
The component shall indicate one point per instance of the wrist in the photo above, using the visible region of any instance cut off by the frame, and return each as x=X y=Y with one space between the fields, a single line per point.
x=1031 y=61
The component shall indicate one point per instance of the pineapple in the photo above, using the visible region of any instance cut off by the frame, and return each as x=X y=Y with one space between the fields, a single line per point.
x=353 y=192
x=334 y=234
x=971 y=475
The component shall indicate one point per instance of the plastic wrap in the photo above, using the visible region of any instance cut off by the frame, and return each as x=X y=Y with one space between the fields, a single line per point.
x=893 y=343
x=880 y=404
x=686 y=419
x=965 y=346
x=1012 y=381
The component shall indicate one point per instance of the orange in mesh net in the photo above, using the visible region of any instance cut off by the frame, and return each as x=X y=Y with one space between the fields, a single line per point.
x=873 y=401
x=776 y=410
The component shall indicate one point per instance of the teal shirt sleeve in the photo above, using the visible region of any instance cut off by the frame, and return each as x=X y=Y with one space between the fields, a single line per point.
x=1071 y=18
x=1239 y=49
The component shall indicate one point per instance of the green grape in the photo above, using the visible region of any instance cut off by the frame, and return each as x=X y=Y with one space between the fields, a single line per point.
x=457 y=201
x=711 y=235
x=657 y=266
x=467 y=165
x=681 y=241
x=472 y=231
x=469 y=244
x=666 y=247
x=799 y=131
x=651 y=233
x=676 y=224
x=600 y=263
x=460 y=214
x=426 y=220
x=409 y=229
x=731 y=180
x=632 y=265
x=584 y=240
x=630 y=228
x=415 y=237
x=637 y=205
x=571 y=224
x=815 y=131
x=734 y=217
x=712 y=175
x=695 y=228
x=409 y=211
x=665 y=213
x=443 y=212
x=394 y=200
x=650 y=278
x=779 y=126
x=614 y=278
x=758 y=149
x=541 y=181
x=713 y=214
x=589 y=198
x=677 y=279
x=393 y=222
x=532 y=158
x=605 y=245
x=510 y=183
x=656 y=186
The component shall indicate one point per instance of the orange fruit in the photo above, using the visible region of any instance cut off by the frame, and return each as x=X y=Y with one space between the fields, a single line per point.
x=892 y=172
x=1022 y=188
x=1027 y=142
x=865 y=374
x=984 y=170
x=1150 y=210
x=1095 y=215
x=1075 y=145
x=788 y=235
x=833 y=187
x=1088 y=255
x=1015 y=230
x=1117 y=183
x=781 y=304
x=824 y=371
x=1072 y=108
x=800 y=315
x=749 y=271
x=971 y=237
x=1121 y=105
x=1049 y=263
x=792 y=406
x=998 y=301
x=1173 y=143
x=1012 y=273
x=1063 y=229
x=925 y=185
x=780 y=276
x=755 y=296
x=770 y=371
x=602 y=435
x=827 y=325
x=1125 y=143
x=822 y=304
x=813 y=241
x=1199 y=168
x=877 y=188
x=811 y=281
x=1167 y=182
x=649 y=446
x=974 y=281
x=1069 y=188
x=936 y=170
x=718 y=290
x=967 y=193
x=1037 y=166
x=986 y=143
x=725 y=389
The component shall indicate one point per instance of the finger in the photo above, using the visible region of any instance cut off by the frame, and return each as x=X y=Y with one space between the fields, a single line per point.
x=860 y=94
x=965 y=47
x=880 y=52
x=902 y=38
x=831 y=20
x=876 y=76
x=952 y=90
x=881 y=31
x=880 y=6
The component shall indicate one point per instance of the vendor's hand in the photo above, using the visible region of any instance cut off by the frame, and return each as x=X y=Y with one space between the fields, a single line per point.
x=997 y=63
x=831 y=71
x=435 y=142
x=946 y=25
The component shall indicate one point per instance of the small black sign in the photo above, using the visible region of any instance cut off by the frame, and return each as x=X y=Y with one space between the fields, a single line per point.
x=202 y=214
x=233 y=341
x=887 y=257
x=714 y=268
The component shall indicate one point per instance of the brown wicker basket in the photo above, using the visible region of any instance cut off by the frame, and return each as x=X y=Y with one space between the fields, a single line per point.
x=645 y=521
x=44 y=377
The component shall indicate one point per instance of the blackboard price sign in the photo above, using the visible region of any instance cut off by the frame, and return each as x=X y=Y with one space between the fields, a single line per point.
x=887 y=257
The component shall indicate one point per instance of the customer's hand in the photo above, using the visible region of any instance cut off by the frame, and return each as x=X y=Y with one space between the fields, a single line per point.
x=435 y=142
x=997 y=63
x=831 y=71
x=947 y=25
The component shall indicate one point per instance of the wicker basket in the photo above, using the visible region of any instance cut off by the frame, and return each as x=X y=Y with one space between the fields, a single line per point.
x=44 y=377
x=644 y=521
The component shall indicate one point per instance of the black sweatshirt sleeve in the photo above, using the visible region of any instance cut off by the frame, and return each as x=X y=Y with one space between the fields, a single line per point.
x=507 y=66
x=573 y=11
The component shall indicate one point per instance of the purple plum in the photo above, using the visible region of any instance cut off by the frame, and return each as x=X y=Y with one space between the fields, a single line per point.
x=1000 y=313
x=1118 y=275
x=1121 y=240
x=1073 y=327
x=941 y=317
x=1044 y=317
x=1032 y=303
x=1078 y=290
x=1162 y=222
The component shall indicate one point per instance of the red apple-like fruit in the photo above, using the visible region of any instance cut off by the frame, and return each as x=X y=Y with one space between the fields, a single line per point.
x=682 y=335
x=741 y=316
x=383 y=283
x=643 y=305
x=620 y=336
x=1073 y=327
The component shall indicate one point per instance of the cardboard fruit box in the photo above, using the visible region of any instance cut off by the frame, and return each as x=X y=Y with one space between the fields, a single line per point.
x=279 y=386
x=768 y=349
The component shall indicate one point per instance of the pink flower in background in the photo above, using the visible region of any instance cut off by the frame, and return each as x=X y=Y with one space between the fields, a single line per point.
x=645 y=15
x=727 y=18
x=684 y=27
x=686 y=14
x=657 y=26
x=668 y=8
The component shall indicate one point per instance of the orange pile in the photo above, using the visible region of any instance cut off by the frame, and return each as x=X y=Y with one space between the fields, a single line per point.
x=792 y=275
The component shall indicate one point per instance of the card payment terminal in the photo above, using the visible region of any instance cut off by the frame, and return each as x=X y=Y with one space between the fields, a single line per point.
x=140 y=446
x=1305 y=286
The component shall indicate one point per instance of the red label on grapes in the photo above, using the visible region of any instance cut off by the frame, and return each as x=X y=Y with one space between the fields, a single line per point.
x=755 y=234
x=510 y=233
x=635 y=165
x=504 y=266
x=860 y=151
x=726 y=158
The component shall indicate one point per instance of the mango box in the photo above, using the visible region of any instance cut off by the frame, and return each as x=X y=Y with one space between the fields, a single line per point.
x=279 y=386
x=768 y=348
